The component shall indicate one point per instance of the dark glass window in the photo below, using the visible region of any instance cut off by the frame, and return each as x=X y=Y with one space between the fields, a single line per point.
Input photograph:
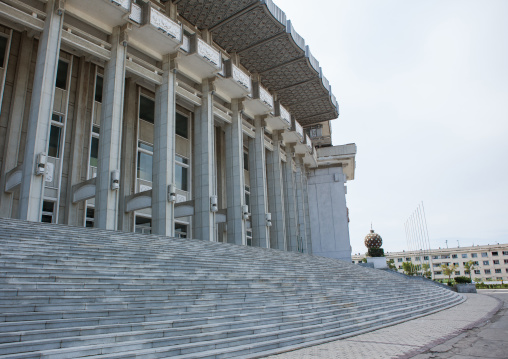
x=144 y=166
x=54 y=142
x=245 y=161
x=143 y=225
x=98 y=88
x=61 y=75
x=180 y=230
x=90 y=213
x=181 y=177
x=182 y=126
x=3 y=48
x=96 y=129
x=94 y=152
x=47 y=211
x=146 y=109
x=145 y=146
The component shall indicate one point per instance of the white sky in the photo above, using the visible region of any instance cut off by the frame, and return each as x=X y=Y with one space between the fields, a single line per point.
x=422 y=87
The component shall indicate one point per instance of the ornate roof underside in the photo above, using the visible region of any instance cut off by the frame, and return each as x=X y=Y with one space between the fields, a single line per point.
x=268 y=45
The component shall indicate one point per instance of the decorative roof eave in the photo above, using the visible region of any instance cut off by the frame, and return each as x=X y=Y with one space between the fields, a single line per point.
x=269 y=45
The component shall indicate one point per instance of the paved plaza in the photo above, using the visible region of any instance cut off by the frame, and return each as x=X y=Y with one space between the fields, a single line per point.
x=477 y=328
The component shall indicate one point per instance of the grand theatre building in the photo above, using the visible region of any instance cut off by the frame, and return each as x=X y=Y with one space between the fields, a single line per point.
x=206 y=119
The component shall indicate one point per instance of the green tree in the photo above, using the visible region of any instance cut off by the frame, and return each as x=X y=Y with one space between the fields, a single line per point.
x=391 y=265
x=410 y=268
x=426 y=270
x=449 y=270
x=469 y=267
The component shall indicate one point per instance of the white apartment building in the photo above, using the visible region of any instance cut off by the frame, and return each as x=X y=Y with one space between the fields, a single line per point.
x=490 y=261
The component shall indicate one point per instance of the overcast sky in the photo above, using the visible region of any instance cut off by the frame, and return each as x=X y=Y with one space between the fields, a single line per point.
x=422 y=87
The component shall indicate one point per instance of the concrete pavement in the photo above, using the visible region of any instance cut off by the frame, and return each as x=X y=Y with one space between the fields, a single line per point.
x=477 y=328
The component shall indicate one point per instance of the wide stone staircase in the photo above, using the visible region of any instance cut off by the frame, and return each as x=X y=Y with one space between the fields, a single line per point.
x=68 y=292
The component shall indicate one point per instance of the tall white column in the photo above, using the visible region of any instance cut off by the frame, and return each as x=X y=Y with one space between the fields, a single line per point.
x=13 y=136
x=290 y=202
x=41 y=110
x=258 y=190
x=276 y=195
x=203 y=151
x=235 y=181
x=300 y=203
x=307 y=215
x=77 y=172
x=164 y=151
x=106 y=198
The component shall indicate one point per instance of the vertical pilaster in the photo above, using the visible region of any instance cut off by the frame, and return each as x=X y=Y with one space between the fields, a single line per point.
x=276 y=195
x=203 y=150
x=41 y=109
x=290 y=203
x=307 y=215
x=129 y=147
x=106 y=198
x=235 y=182
x=13 y=136
x=164 y=152
x=76 y=165
x=258 y=191
x=300 y=203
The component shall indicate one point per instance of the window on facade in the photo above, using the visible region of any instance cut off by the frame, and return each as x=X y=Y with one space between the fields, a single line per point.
x=182 y=126
x=445 y=256
x=495 y=253
x=54 y=141
x=417 y=259
x=477 y=271
x=248 y=235
x=180 y=230
x=246 y=161
x=48 y=210
x=436 y=265
x=506 y=270
x=498 y=270
x=247 y=195
x=90 y=214
x=457 y=264
x=455 y=255
x=485 y=254
x=474 y=255
x=99 y=82
x=505 y=253
x=399 y=259
x=182 y=173
x=485 y=263
x=94 y=151
x=506 y=261
x=408 y=259
x=143 y=225
x=438 y=273
x=425 y=258
x=457 y=272
x=464 y=255
x=496 y=262
x=476 y=263
x=400 y=267
x=435 y=257
x=61 y=74
x=145 y=166
x=146 y=109
x=487 y=271
x=3 y=49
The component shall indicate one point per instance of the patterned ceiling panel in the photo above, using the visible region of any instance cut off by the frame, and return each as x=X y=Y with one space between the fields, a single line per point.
x=246 y=30
x=310 y=108
x=206 y=14
x=317 y=119
x=272 y=53
x=302 y=92
x=290 y=74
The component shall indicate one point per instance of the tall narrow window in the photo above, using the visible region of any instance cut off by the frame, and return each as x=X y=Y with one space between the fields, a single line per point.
x=145 y=160
x=48 y=210
x=61 y=75
x=55 y=135
x=182 y=126
x=3 y=49
x=182 y=173
x=180 y=230
x=99 y=81
x=146 y=109
x=246 y=161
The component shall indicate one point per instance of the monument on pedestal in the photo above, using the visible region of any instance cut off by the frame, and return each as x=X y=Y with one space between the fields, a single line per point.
x=375 y=254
